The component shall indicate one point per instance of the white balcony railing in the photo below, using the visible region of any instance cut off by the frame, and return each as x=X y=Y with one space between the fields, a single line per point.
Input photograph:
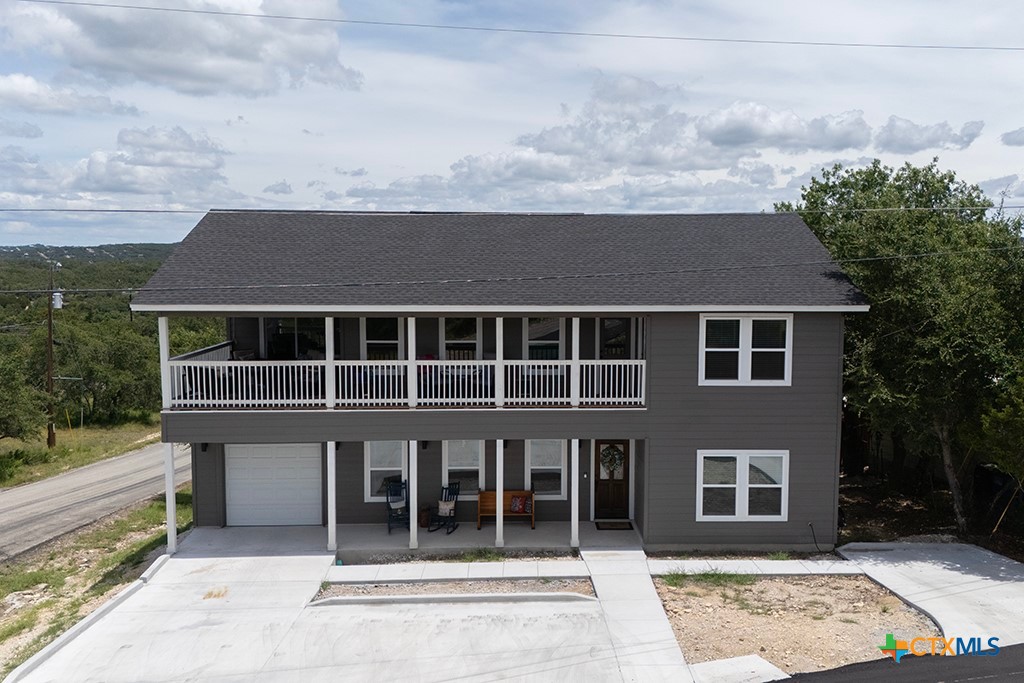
x=247 y=384
x=203 y=383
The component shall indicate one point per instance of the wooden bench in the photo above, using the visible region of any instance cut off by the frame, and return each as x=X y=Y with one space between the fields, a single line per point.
x=486 y=507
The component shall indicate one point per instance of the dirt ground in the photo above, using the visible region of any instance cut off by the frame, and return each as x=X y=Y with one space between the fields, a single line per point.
x=581 y=586
x=798 y=624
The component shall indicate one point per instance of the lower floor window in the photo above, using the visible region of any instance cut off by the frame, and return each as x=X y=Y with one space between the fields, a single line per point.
x=742 y=485
x=546 y=468
x=384 y=462
x=463 y=462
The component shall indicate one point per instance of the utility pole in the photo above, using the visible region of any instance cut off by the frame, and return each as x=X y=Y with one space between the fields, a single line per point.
x=51 y=434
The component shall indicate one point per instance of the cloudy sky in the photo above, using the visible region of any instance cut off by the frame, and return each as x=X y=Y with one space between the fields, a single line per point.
x=104 y=108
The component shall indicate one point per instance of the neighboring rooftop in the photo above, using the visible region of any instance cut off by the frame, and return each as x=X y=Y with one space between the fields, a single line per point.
x=310 y=260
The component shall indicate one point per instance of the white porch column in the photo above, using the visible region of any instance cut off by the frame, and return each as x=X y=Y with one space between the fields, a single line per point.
x=499 y=364
x=574 y=374
x=169 y=499
x=574 y=474
x=330 y=371
x=499 y=498
x=332 y=495
x=165 y=356
x=414 y=506
x=411 y=375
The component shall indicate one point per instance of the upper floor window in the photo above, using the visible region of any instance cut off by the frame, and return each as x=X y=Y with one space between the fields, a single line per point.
x=461 y=338
x=544 y=338
x=751 y=350
x=382 y=338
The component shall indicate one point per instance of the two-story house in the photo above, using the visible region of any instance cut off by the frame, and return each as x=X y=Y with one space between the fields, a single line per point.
x=682 y=372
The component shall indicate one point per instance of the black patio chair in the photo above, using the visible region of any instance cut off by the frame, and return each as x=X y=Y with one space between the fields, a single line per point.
x=397 y=504
x=444 y=516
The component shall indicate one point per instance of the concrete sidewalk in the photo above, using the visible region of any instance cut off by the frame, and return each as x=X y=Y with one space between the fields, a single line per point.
x=645 y=646
x=968 y=591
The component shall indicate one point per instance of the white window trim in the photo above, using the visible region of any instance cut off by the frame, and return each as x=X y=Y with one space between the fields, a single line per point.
x=746 y=332
x=528 y=471
x=742 y=486
x=527 y=342
x=442 y=342
x=475 y=495
x=363 y=341
x=367 y=497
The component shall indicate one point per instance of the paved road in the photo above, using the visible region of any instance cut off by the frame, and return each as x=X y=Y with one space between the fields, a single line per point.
x=1008 y=665
x=35 y=513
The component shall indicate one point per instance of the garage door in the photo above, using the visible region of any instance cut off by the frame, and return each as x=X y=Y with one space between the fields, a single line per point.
x=273 y=484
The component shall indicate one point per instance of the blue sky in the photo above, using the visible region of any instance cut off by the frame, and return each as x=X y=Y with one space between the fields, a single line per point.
x=123 y=109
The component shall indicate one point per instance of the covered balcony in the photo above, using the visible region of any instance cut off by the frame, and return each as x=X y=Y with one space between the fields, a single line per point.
x=375 y=363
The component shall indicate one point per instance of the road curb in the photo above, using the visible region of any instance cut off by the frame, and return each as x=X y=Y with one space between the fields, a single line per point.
x=450 y=598
x=63 y=639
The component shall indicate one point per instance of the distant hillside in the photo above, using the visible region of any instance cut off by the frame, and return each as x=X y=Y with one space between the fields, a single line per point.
x=104 y=253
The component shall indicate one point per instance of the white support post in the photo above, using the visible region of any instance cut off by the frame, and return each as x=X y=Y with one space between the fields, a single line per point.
x=574 y=473
x=499 y=508
x=411 y=375
x=330 y=370
x=165 y=357
x=332 y=495
x=574 y=367
x=413 y=495
x=499 y=362
x=169 y=499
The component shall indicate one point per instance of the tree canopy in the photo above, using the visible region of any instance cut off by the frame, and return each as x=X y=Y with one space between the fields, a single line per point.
x=941 y=271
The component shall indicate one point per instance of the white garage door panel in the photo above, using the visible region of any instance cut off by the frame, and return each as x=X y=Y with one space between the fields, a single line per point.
x=273 y=485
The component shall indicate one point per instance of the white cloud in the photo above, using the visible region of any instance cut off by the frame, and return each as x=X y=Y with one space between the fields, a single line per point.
x=1013 y=138
x=906 y=137
x=198 y=54
x=20 y=91
x=750 y=124
x=280 y=187
x=20 y=129
x=169 y=162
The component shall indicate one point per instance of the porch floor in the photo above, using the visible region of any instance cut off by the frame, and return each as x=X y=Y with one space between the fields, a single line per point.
x=518 y=535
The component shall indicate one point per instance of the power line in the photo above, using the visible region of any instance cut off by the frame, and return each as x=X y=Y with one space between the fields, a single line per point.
x=532 y=31
x=14 y=210
x=518 y=278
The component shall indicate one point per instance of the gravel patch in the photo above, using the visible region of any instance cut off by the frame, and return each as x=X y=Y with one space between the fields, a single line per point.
x=486 y=555
x=798 y=624
x=581 y=586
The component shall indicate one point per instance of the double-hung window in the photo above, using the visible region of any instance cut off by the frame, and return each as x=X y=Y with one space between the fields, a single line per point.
x=543 y=338
x=461 y=338
x=747 y=350
x=546 y=468
x=382 y=338
x=742 y=486
x=383 y=462
x=463 y=462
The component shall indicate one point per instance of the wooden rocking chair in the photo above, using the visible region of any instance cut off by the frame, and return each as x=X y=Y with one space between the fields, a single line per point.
x=444 y=516
x=398 y=505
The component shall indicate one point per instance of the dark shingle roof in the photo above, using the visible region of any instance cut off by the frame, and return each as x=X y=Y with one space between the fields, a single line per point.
x=242 y=258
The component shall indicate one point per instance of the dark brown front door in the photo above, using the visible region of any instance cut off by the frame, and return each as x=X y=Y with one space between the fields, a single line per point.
x=611 y=487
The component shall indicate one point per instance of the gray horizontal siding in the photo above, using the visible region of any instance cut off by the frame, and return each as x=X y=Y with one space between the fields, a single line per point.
x=684 y=418
x=681 y=419
x=274 y=426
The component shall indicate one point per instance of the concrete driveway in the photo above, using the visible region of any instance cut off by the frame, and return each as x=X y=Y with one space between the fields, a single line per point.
x=243 y=615
x=967 y=590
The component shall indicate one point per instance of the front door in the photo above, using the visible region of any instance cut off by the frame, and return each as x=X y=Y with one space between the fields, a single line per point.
x=611 y=487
